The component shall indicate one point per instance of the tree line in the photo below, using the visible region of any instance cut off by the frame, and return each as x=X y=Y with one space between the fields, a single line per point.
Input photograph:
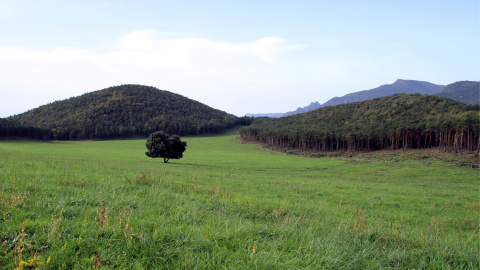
x=399 y=121
x=9 y=129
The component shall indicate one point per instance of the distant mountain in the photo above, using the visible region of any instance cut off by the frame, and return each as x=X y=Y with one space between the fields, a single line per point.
x=467 y=92
x=272 y=115
x=398 y=87
x=313 y=106
x=126 y=111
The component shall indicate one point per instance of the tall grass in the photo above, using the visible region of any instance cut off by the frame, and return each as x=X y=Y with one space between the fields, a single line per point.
x=104 y=204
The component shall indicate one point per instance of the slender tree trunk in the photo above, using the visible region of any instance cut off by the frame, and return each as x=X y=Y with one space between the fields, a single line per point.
x=469 y=140
x=461 y=142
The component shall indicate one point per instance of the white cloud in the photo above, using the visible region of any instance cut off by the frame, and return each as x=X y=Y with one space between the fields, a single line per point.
x=138 y=40
x=206 y=70
x=150 y=48
x=141 y=51
x=269 y=49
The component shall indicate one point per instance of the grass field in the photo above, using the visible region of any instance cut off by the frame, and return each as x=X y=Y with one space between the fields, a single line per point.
x=227 y=205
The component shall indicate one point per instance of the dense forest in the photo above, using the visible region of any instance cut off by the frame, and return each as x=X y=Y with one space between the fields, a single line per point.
x=9 y=129
x=126 y=111
x=392 y=122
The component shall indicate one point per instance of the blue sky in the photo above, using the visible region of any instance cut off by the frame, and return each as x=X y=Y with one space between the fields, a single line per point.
x=237 y=56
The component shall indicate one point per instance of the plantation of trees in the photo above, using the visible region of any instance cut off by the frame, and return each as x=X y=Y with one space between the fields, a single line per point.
x=126 y=111
x=399 y=121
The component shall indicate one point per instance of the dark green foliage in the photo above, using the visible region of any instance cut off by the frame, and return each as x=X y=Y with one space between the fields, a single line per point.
x=467 y=92
x=126 y=111
x=11 y=129
x=162 y=145
x=393 y=122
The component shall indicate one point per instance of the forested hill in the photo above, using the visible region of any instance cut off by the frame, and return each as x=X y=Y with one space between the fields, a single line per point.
x=126 y=111
x=392 y=122
x=467 y=92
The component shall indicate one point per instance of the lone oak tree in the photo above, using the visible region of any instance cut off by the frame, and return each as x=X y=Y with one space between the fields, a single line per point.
x=160 y=144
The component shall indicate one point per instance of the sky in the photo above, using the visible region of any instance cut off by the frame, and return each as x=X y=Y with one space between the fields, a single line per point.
x=241 y=57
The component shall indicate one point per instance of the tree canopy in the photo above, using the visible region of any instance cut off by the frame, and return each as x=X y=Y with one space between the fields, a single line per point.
x=162 y=145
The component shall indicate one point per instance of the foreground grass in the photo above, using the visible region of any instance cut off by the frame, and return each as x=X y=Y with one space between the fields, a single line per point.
x=77 y=205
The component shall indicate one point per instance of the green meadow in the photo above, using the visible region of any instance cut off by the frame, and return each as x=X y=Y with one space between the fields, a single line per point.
x=228 y=205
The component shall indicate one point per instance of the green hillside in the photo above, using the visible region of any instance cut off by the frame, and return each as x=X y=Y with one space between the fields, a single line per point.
x=467 y=92
x=393 y=122
x=126 y=111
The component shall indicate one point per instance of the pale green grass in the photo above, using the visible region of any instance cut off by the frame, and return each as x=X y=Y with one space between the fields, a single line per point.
x=224 y=199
